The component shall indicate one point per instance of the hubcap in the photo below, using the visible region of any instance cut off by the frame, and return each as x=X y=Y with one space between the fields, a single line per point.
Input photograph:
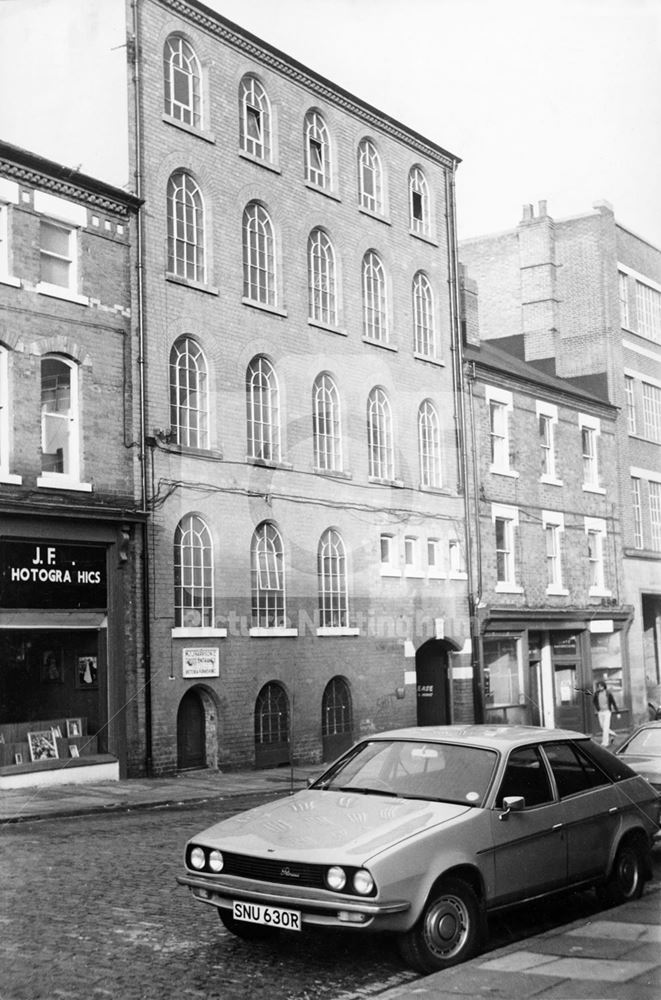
x=446 y=926
x=628 y=872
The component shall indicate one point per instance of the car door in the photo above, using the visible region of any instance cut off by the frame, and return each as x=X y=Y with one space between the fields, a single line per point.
x=591 y=806
x=530 y=849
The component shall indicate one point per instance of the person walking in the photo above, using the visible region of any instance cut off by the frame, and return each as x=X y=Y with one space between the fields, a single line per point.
x=604 y=705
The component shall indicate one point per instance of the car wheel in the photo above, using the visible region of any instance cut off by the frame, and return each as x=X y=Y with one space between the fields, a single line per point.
x=449 y=931
x=243 y=928
x=627 y=878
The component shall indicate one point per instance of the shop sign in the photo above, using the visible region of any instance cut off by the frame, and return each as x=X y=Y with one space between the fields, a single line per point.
x=200 y=662
x=50 y=575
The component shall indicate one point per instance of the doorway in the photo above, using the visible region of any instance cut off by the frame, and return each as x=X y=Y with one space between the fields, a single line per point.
x=191 y=733
x=433 y=684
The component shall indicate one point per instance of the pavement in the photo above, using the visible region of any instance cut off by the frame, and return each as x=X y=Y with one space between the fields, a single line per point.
x=612 y=955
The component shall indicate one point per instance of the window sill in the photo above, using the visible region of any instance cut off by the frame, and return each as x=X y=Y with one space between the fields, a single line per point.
x=438 y=576
x=333 y=473
x=599 y=592
x=58 y=481
x=551 y=481
x=327 y=327
x=508 y=588
x=190 y=129
x=192 y=452
x=414 y=574
x=328 y=193
x=199 y=286
x=380 y=343
x=557 y=592
x=462 y=575
x=339 y=630
x=440 y=491
x=391 y=572
x=57 y=292
x=269 y=463
x=374 y=215
x=264 y=307
x=428 y=359
x=424 y=237
x=259 y=162
x=7 y=279
x=498 y=470
x=376 y=481
x=589 y=488
x=278 y=631
x=202 y=632
x=10 y=479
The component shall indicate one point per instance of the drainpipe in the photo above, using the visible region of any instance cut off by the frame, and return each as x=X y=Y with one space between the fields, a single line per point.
x=146 y=612
x=462 y=437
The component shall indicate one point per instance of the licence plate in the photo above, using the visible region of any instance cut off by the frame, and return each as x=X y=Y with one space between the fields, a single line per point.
x=272 y=916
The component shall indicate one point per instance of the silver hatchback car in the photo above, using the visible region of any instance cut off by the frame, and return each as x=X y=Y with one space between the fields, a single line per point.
x=423 y=832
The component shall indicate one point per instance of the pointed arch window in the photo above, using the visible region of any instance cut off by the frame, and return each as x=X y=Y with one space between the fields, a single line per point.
x=326 y=424
x=370 y=177
x=381 y=455
x=375 y=298
x=429 y=445
x=185 y=216
x=189 y=405
x=317 y=151
x=419 y=207
x=321 y=278
x=256 y=119
x=182 y=82
x=333 y=589
x=263 y=410
x=267 y=569
x=259 y=283
x=424 y=332
x=193 y=574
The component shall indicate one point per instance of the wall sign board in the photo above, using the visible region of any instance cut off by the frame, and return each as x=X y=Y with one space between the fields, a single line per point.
x=41 y=574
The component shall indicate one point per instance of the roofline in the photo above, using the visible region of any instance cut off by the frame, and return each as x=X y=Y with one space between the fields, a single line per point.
x=33 y=168
x=244 y=41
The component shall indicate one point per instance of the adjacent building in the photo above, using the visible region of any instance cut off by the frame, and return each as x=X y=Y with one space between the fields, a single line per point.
x=70 y=511
x=580 y=299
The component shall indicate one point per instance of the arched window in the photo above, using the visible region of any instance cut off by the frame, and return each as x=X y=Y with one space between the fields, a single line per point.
x=267 y=570
x=271 y=726
x=182 y=82
x=336 y=718
x=256 y=124
x=326 y=426
x=424 y=332
x=381 y=458
x=370 y=177
x=193 y=574
x=332 y=573
x=60 y=422
x=429 y=444
x=185 y=212
x=317 y=151
x=321 y=278
x=258 y=256
x=420 y=215
x=263 y=410
x=189 y=405
x=375 y=298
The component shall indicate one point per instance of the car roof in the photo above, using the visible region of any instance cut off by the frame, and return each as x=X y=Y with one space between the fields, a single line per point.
x=495 y=737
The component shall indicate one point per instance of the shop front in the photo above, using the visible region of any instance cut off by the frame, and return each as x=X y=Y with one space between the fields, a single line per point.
x=544 y=672
x=59 y=689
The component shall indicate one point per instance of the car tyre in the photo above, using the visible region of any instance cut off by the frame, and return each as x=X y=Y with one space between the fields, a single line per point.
x=243 y=928
x=450 y=929
x=627 y=877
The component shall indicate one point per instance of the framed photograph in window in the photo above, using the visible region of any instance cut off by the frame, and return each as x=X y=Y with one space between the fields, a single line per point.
x=73 y=750
x=74 y=728
x=51 y=667
x=86 y=672
x=43 y=745
x=18 y=758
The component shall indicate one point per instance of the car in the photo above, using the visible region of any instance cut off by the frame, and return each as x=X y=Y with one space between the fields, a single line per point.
x=425 y=831
x=642 y=752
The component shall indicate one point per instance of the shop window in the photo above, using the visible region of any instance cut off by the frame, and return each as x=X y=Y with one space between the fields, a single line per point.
x=504 y=689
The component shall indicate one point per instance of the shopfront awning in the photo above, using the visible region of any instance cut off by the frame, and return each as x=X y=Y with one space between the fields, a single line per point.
x=45 y=619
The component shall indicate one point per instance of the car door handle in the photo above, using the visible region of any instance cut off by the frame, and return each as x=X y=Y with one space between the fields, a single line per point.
x=557 y=826
x=614 y=809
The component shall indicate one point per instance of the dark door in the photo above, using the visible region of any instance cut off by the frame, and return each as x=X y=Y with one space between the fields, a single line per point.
x=191 y=751
x=432 y=686
x=336 y=718
x=272 y=727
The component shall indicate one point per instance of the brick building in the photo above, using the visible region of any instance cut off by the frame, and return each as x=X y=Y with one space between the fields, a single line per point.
x=306 y=563
x=580 y=298
x=70 y=534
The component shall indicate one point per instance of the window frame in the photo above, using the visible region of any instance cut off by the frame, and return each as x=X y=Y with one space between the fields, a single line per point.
x=326 y=424
x=186 y=218
x=316 y=131
x=193 y=559
x=637 y=510
x=69 y=477
x=6 y=437
x=553 y=525
x=189 y=379
x=263 y=415
x=419 y=190
x=189 y=113
x=424 y=316
x=654 y=488
x=322 y=278
x=505 y=554
x=255 y=108
x=332 y=581
x=370 y=178
x=267 y=578
x=429 y=445
x=380 y=437
x=596 y=536
x=375 y=299
x=500 y=405
x=590 y=430
x=260 y=275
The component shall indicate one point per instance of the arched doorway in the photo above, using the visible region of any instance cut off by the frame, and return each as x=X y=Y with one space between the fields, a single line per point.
x=432 y=671
x=272 y=726
x=336 y=718
x=191 y=732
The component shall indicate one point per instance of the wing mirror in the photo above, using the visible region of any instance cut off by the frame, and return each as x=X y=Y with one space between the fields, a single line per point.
x=512 y=803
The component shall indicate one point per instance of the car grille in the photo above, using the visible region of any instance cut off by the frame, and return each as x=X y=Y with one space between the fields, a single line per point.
x=283 y=872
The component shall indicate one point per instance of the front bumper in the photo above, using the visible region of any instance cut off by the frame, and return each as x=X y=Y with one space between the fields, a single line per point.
x=316 y=907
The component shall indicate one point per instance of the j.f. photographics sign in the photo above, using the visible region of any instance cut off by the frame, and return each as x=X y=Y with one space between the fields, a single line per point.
x=200 y=661
x=44 y=574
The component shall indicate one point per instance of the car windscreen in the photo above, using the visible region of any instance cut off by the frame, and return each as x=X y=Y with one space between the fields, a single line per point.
x=646 y=741
x=443 y=772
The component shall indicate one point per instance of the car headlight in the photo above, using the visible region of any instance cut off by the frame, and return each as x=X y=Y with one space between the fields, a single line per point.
x=363 y=882
x=336 y=878
x=216 y=861
x=197 y=858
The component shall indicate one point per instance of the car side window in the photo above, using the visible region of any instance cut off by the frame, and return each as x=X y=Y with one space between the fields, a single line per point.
x=526 y=775
x=573 y=772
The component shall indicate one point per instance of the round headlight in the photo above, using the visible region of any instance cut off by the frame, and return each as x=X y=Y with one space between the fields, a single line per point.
x=363 y=882
x=336 y=878
x=216 y=861
x=197 y=858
